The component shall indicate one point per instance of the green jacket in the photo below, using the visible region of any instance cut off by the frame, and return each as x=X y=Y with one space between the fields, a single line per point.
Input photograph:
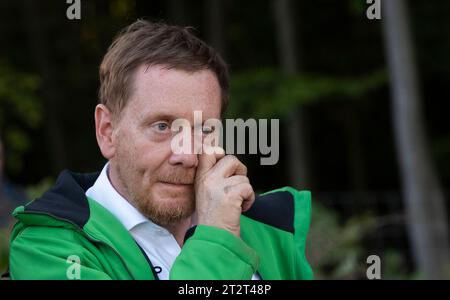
x=64 y=224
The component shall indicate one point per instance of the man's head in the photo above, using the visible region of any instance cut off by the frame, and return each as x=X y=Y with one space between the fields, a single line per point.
x=151 y=44
x=152 y=75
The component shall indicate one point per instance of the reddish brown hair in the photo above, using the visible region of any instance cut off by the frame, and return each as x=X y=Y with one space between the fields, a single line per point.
x=147 y=43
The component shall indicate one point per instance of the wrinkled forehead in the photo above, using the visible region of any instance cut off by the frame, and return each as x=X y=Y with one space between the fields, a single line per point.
x=158 y=91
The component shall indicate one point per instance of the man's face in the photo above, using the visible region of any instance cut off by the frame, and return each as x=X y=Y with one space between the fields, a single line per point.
x=143 y=168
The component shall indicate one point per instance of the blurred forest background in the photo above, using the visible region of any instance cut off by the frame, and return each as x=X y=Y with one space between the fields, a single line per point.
x=362 y=104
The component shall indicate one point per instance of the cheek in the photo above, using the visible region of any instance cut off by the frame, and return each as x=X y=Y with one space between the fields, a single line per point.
x=152 y=156
x=142 y=152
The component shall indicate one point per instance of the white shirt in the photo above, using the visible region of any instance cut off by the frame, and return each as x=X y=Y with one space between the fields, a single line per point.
x=158 y=243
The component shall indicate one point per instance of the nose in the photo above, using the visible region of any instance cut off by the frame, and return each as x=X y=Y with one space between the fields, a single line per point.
x=185 y=160
x=188 y=160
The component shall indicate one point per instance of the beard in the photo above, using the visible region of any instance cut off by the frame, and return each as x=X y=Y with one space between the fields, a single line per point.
x=153 y=195
x=164 y=213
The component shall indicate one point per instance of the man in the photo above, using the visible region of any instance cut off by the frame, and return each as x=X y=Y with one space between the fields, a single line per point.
x=152 y=213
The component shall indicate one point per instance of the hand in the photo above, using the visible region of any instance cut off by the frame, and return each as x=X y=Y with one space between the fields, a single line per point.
x=222 y=191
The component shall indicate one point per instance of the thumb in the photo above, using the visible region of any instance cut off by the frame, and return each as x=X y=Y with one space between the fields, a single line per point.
x=207 y=159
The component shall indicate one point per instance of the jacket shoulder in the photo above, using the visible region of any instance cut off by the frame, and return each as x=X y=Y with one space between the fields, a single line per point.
x=282 y=208
x=277 y=226
x=41 y=252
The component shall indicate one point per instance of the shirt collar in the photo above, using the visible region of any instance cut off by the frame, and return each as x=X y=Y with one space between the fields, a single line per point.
x=106 y=195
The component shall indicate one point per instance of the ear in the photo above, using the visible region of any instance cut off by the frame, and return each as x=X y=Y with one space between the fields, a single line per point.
x=104 y=131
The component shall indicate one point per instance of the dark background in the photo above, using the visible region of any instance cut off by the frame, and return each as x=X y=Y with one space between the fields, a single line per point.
x=336 y=83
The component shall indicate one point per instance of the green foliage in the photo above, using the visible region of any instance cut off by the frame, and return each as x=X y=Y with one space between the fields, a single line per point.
x=393 y=266
x=18 y=96
x=38 y=189
x=122 y=8
x=358 y=7
x=32 y=192
x=268 y=93
x=337 y=251
x=441 y=147
x=4 y=249
x=20 y=111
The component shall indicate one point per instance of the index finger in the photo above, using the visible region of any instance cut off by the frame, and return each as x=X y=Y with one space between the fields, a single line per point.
x=207 y=159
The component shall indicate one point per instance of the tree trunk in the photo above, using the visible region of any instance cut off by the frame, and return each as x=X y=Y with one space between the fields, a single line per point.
x=424 y=200
x=295 y=138
x=39 y=52
x=215 y=13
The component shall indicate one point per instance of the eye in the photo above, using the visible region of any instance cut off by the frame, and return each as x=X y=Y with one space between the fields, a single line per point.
x=161 y=126
x=207 y=130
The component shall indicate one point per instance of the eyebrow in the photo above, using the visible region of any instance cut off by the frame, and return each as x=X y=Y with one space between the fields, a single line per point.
x=145 y=119
x=142 y=118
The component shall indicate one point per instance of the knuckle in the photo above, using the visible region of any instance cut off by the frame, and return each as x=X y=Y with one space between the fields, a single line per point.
x=245 y=168
x=204 y=180
x=245 y=190
x=248 y=186
x=231 y=159
x=245 y=179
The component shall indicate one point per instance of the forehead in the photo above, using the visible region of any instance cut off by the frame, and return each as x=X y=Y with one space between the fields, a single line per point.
x=174 y=93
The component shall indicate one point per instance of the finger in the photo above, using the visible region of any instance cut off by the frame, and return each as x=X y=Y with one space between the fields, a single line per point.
x=230 y=165
x=207 y=161
x=248 y=203
x=235 y=180
x=244 y=191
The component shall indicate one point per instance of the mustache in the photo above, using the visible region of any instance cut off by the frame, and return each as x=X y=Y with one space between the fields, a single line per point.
x=177 y=177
